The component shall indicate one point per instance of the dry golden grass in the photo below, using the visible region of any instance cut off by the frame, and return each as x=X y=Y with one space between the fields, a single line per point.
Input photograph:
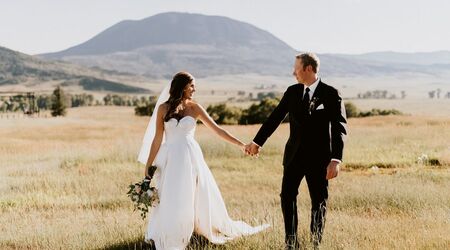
x=63 y=184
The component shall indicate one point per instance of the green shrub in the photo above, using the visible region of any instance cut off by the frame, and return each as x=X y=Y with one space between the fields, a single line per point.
x=222 y=114
x=377 y=112
x=258 y=113
x=58 y=103
x=351 y=110
x=145 y=109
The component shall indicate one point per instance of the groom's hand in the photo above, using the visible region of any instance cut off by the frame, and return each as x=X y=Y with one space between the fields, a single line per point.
x=252 y=149
x=332 y=169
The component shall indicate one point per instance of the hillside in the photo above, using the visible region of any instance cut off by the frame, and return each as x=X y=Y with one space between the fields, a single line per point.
x=20 y=69
x=162 y=44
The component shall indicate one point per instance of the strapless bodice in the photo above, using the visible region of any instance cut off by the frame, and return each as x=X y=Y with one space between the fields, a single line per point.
x=182 y=129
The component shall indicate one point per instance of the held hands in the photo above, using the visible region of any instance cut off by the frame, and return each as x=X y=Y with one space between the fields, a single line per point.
x=252 y=149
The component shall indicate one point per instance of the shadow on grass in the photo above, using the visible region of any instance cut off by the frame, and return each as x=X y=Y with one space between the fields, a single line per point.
x=137 y=244
x=196 y=242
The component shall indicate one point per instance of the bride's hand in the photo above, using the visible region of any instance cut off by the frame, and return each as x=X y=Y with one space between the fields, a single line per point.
x=146 y=172
x=242 y=147
x=150 y=171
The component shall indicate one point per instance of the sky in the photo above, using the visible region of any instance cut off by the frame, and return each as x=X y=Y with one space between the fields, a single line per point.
x=321 y=26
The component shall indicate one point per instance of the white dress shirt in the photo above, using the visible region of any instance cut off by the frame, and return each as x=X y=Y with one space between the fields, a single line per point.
x=312 y=88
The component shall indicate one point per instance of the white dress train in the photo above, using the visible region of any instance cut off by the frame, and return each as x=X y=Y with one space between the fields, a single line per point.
x=190 y=200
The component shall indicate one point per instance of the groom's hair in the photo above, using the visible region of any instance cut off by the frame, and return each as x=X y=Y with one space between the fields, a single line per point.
x=309 y=59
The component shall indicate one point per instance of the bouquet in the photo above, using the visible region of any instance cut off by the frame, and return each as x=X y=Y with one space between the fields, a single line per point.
x=143 y=195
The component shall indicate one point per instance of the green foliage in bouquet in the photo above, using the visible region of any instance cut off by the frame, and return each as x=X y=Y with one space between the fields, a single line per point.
x=143 y=195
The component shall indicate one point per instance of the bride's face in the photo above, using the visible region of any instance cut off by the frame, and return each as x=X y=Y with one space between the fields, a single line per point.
x=189 y=90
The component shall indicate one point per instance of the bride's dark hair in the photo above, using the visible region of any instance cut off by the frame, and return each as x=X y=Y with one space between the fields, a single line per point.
x=179 y=82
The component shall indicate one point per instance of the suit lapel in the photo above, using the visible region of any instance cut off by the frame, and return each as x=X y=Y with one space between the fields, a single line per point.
x=297 y=108
x=300 y=94
x=318 y=93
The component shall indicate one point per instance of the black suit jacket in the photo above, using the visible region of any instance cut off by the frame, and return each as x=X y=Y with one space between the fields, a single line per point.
x=317 y=137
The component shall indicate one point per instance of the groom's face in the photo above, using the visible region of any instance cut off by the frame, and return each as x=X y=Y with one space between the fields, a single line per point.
x=299 y=72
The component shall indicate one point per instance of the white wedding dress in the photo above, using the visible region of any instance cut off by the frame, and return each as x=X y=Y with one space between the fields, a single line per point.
x=190 y=200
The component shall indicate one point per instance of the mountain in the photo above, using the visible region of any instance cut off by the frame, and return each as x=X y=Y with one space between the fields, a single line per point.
x=418 y=58
x=389 y=63
x=160 y=45
x=166 y=43
x=20 y=69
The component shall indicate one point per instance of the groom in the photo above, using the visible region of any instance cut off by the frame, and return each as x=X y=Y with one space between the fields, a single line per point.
x=314 y=150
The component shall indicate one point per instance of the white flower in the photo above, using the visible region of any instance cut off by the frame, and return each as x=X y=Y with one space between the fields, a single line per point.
x=423 y=159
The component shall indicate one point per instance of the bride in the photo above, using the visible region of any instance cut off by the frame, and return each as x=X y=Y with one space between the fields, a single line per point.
x=190 y=200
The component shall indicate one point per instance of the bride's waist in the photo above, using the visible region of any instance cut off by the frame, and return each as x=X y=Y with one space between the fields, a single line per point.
x=178 y=139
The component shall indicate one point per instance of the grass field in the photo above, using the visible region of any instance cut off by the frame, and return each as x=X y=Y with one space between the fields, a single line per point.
x=63 y=183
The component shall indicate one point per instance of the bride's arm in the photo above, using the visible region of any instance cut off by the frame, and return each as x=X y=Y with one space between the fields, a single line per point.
x=159 y=132
x=211 y=124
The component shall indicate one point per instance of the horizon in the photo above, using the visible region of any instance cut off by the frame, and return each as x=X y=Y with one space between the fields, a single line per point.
x=324 y=27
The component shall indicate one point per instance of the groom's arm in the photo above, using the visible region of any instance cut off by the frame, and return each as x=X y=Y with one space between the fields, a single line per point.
x=338 y=121
x=274 y=120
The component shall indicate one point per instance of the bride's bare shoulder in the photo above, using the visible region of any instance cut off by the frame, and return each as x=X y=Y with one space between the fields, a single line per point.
x=196 y=106
x=164 y=106
x=162 y=109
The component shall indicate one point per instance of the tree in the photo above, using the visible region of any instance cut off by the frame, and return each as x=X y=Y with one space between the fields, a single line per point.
x=81 y=100
x=258 y=113
x=403 y=93
x=58 y=102
x=145 y=109
x=431 y=94
x=107 y=100
x=351 y=110
x=271 y=95
x=44 y=102
x=222 y=114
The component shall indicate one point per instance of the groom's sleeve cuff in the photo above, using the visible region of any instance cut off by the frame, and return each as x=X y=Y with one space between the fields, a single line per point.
x=336 y=160
x=256 y=144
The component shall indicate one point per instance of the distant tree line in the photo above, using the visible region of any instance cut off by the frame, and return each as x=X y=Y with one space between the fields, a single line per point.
x=144 y=105
x=44 y=102
x=384 y=94
x=224 y=114
x=243 y=97
x=13 y=103
x=437 y=94
x=19 y=103
x=380 y=94
x=257 y=113
x=29 y=104
x=353 y=111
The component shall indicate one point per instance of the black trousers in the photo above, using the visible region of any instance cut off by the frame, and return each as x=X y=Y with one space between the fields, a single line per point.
x=315 y=175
